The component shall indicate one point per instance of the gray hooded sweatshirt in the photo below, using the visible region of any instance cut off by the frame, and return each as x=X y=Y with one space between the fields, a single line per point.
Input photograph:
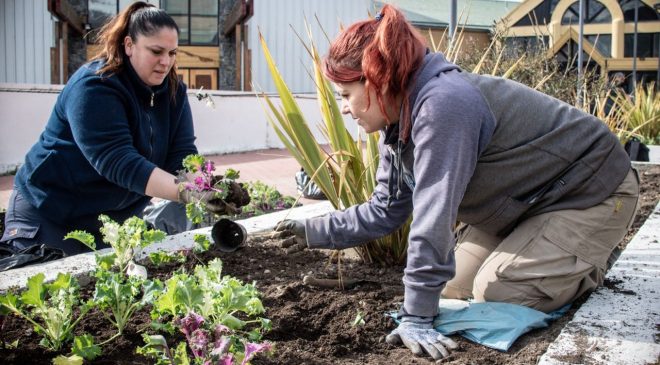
x=485 y=151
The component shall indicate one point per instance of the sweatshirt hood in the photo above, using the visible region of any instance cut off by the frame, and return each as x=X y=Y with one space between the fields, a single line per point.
x=432 y=66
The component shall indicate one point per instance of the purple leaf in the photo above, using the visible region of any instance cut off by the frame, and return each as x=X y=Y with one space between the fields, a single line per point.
x=227 y=360
x=189 y=323
x=198 y=342
x=220 y=329
x=220 y=346
x=253 y=348
x=209 y=166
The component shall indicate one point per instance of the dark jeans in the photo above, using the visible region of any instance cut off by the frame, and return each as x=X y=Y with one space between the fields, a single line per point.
x=25 y=226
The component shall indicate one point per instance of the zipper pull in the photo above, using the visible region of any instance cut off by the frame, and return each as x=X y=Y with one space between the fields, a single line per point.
x=152 y=100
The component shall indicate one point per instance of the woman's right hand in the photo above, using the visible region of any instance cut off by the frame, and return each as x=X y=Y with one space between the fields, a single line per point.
x=294 y=233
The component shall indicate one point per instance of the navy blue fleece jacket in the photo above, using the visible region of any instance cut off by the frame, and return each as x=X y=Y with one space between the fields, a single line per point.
x=105 y=136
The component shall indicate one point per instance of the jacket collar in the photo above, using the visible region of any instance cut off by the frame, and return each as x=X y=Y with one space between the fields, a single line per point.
x=144 y=92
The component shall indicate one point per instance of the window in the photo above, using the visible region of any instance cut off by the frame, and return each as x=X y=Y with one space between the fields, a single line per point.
x=568 y=57
x=197 y=20
x=644 y=13
x=540 y=15
x=100 y=11
x=602 y=42
x=517 y=46
x=595 y=12
x=647 y=44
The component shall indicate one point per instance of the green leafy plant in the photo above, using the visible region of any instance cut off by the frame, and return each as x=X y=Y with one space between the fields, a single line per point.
x=49 y=307
x=208 y=344
x=221 y=302
x=125 y=239
x=640 y=115
x=118 y=297
x=347 y=173
x=219 y=186
x=160 y=257
x=264 y=199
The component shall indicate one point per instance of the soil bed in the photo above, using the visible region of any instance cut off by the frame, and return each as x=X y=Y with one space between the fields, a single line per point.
x=312 y=325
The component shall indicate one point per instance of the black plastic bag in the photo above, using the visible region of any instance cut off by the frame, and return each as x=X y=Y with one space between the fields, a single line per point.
x=10 y=258
x=637 y=150
x=307 y=187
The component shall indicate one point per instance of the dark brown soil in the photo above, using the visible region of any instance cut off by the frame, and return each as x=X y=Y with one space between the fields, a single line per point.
x=312 y=325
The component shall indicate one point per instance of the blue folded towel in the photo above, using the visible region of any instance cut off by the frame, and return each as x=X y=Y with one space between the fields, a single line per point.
x=495 y=325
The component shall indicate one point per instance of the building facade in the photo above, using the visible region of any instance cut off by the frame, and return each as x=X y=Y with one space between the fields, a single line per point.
x=610 y=34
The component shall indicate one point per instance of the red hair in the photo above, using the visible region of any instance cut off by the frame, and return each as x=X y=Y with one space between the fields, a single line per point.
x=385 y=53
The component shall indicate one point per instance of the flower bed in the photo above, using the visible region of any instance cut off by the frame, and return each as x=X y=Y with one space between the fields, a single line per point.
x=309 y=325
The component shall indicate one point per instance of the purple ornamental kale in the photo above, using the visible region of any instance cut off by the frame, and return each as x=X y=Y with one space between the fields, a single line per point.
x=198 y=342
x=209 y=167
x=202 y=183
x=189 y=323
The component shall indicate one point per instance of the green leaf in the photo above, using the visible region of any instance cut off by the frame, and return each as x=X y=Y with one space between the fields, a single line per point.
x=152 y=236
x=156 y=348
x=84 y=346
x=359 y=320
x=62 y=282
x=181 y=354
x=167 y=302
x=193 y=163
x=86 y=238
x=232 y=322
x=231 y=174
x=106 y=262
x=151 y=289
x=36 y=291
x=71 y=360
x=195 y=212
x=163 y=257
x=202 y=242
x=9 y=303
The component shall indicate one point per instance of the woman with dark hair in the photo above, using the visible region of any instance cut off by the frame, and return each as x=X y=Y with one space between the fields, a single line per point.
x=117 y=135
x=543 y=191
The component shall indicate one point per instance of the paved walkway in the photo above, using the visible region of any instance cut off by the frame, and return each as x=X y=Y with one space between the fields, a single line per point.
x=274 y=167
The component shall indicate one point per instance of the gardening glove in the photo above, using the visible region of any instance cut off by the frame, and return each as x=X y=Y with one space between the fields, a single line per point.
x=214 y=205
x=294 y=231
x=418 y=334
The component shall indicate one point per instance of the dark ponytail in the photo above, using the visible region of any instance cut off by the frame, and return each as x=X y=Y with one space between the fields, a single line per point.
x=139 y=18
x=385 y=52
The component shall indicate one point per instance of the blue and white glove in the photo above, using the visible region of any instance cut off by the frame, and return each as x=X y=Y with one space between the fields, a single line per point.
x=418 y=334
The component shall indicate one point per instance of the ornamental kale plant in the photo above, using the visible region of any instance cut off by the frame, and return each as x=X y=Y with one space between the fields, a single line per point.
x=125 y=239
x=265 y=199
x=118 y=297
x=49 y=308
x=220 y=186
x=228 y=309
x=209 y=345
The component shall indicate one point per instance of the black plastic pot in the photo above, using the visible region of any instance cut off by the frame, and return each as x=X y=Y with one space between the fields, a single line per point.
x=228 y=235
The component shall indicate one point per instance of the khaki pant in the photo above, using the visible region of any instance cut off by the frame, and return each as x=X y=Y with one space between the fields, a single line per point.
x=549 y=259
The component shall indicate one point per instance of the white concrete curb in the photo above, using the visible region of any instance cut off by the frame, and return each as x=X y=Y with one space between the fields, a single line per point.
x=618 y=326
x=85 y=263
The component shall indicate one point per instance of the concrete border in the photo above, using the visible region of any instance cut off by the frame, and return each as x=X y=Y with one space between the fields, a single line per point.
x=618 y=325
x=80 y=265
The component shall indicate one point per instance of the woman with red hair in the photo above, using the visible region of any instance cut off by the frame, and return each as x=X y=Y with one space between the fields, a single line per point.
x=542 y=190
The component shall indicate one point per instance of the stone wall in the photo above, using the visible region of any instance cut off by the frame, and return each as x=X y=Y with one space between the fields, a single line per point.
x=77 y=50
x=227 y=46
